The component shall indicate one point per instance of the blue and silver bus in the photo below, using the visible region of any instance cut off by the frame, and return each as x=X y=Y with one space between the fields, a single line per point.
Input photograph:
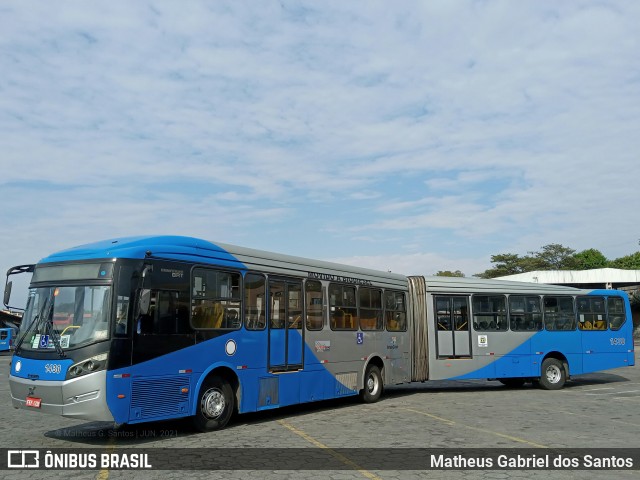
x=6 y=339
x=8 y=330
x=143 y=329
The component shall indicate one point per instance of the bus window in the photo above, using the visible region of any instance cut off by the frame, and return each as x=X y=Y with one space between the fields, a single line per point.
x=395 y=311
x=168 y=314
x=173 y=313
x=294 y=314
x=559 y=313
x=123 y=302
x=525 y=313
x=443 y=314
x=489 y=313
x=313 y=292
x=254 y=301
x=285 y=304
x=342 y=304
x=216 y=299
x=277 y=305
x=460 y=314
x=591 y=313
x=370 y=308
x=122 y=315
x=616 y=313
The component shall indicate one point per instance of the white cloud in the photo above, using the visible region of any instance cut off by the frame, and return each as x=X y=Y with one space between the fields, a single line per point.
x=440 y=129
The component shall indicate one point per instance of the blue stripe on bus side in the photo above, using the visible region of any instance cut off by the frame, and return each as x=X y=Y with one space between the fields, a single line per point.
x=315 y=382
x=526 y=359
x=586 y=351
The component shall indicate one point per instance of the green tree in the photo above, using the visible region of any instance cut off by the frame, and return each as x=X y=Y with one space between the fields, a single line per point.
x=628 y=262
x=555 y=257
x=449 y=273
x=551 y=257
x=590 y=259
x=505 y=264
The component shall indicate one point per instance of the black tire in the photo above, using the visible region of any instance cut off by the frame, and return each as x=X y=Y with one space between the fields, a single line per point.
x=216 y=403
x=372 y=385
x=553 y=374
x=512 y=382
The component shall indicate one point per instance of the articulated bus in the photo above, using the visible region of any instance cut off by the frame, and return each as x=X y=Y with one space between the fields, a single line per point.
x=143 y=329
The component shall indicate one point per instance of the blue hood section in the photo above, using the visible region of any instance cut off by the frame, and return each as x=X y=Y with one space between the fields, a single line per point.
x=169 y=247
x=51 y=369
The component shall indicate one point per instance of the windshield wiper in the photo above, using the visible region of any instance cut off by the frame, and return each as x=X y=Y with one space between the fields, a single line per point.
x=44 y=314
x=51 y=333
x=36 y=322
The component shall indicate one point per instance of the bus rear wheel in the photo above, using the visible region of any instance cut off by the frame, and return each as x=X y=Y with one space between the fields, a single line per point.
x=372 y=385
x=216 y=403
x=553 y=374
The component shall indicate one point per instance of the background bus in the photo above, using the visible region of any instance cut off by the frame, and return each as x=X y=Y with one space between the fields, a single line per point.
x=152 y=328
x=8 y=330
x=6 y=339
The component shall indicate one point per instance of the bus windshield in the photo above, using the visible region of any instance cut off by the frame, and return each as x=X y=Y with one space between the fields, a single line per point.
x=58 y=318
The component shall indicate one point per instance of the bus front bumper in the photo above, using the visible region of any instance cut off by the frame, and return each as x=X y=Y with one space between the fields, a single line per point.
x=83 y=398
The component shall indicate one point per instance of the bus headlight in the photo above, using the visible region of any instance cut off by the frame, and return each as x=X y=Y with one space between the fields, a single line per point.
x=89 y=365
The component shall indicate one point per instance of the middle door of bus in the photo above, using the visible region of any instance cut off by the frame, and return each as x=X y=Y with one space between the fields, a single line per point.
x=452 y=326
x=285 y=325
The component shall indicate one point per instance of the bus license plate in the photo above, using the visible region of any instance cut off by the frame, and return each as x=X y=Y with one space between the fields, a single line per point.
x=33 y=402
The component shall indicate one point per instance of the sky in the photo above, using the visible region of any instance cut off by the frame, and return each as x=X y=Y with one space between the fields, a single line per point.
x=403 y=136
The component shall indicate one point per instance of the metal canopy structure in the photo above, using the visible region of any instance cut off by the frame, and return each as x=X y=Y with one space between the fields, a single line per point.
x=10 y=317
x=597 y=278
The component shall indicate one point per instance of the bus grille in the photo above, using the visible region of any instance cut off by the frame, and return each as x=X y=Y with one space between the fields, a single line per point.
x=159 y=397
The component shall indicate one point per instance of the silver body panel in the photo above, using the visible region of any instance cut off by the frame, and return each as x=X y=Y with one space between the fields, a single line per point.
x=82 y=398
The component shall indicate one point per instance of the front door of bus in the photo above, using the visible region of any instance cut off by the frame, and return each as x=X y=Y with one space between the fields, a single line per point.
x=285 y=325
x=452 y=326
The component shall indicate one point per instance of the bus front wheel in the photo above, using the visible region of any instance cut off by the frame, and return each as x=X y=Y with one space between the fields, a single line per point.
x=215 y=405
x=553 y=374
x=372 y=385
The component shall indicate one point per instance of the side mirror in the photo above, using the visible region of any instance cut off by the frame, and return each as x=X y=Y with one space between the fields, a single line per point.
x=7 y=293
x=7 y=287
x=145 y=300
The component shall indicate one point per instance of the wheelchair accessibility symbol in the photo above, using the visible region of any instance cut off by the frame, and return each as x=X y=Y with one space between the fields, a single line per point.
x=359 y=338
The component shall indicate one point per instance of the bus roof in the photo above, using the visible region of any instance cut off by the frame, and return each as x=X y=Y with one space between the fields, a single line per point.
x=182 y=248
x=166 y=246
x=466 y=284
x=202 y=251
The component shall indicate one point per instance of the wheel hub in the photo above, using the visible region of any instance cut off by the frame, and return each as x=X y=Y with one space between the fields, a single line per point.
x=213 y=403
x=372 y=384
x=553 y=374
